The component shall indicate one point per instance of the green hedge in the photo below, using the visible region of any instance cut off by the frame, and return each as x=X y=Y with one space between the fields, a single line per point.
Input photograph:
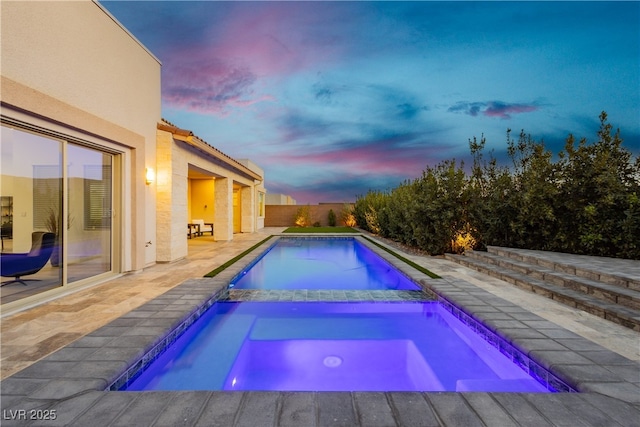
x=586 y=201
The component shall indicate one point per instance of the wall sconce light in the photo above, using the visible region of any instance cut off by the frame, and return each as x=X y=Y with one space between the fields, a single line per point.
x=149 y=176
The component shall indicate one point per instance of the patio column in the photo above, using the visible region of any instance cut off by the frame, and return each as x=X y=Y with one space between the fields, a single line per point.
x=171 y=199
x=248 y=200
x=223 y=212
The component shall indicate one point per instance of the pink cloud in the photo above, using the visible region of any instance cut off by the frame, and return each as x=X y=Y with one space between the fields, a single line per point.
x=381 y=157
x=310 y=194
x=278 y=38
x=267 y=41
x=344 y=187
x=208 y=85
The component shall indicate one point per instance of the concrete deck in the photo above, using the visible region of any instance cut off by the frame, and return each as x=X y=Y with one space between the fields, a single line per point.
x=61 y=357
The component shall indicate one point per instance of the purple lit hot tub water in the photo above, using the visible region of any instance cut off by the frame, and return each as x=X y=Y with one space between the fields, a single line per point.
x=344 y=264
x=332 y=346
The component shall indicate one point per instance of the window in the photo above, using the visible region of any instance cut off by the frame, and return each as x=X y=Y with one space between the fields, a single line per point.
x=47 y=190
x=97 y=197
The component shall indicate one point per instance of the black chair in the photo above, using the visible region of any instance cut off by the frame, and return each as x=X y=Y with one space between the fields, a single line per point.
x=18 y=265
x=6 y=232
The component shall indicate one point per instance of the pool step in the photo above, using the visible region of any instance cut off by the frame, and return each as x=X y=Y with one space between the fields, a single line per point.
x=614 y=271
x=605 y=291
x=540 y=274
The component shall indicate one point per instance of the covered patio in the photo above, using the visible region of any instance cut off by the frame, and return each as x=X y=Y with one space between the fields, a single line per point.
x=196 y=183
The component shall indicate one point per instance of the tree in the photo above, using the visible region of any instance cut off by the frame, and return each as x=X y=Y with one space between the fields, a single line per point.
x=535 y=185
x=598 y=180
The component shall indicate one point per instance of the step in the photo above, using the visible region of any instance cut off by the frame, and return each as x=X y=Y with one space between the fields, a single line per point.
x=616 y=313
x=613 y=271
x=607 y=292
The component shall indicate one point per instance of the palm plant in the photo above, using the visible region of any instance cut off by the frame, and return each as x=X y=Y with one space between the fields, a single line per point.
x=52 y=224
x=52 y=221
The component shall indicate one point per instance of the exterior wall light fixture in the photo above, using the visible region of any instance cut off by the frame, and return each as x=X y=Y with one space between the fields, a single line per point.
x=149 y=176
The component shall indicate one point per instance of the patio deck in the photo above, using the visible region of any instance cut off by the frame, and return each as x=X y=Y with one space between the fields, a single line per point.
x=62 y=355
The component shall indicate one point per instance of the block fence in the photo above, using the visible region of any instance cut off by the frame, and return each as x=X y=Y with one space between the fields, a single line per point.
x=284 y=215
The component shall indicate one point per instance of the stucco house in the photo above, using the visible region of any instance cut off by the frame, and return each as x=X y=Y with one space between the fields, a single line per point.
x=86 y=154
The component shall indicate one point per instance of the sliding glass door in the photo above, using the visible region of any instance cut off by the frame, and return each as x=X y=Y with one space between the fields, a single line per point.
x=31 y=182
x=74 y=202
x=89 y=188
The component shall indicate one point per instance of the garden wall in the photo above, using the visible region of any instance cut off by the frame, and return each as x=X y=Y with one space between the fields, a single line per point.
x=284 y=215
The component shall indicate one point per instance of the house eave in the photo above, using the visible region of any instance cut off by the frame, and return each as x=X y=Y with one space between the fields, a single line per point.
x=192 y=140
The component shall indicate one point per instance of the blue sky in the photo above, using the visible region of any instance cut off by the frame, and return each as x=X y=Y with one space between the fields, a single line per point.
x=332 y=99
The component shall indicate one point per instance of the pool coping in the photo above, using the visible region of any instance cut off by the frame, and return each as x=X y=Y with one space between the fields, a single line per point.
x=72 y=381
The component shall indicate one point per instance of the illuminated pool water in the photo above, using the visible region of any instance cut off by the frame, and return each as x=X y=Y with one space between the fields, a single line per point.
x=322 y=346
x=321 y=264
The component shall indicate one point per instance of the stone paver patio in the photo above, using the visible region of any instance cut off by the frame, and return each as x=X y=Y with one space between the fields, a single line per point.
x=61 y=356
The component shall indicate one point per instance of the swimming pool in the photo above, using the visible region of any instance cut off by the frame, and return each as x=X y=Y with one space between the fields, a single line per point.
x=317 y=263
x=326 y=346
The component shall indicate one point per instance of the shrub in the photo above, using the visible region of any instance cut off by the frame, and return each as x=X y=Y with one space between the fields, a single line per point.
x=371 y=216
x=367 y=209
x=303 y=216
x=332 y=218
x=347 y=216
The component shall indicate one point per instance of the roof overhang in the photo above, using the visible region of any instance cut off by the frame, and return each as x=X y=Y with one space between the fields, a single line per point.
x=208 y=150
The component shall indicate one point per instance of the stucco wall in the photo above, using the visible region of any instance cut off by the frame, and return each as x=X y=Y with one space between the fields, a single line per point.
x=71 y=66
x=76 y=53
x=284 y=215
x=203 y=202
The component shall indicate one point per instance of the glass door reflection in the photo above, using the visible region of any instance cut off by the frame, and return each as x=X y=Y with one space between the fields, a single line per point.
x=31 y=188
x=90 y=188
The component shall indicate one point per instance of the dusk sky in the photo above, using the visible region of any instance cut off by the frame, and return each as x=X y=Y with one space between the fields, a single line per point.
x=332 y=99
